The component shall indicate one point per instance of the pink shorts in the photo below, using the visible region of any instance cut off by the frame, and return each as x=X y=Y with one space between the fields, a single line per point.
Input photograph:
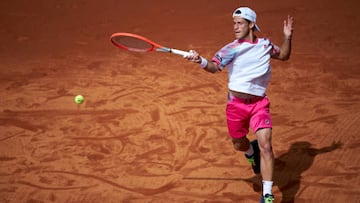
x=244 y=113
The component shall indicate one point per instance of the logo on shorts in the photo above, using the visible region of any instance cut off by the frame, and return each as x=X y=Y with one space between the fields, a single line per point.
x=267 y=121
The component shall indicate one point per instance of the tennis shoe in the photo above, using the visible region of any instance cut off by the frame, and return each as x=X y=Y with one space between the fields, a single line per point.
x=254 y=159
x=267 y=199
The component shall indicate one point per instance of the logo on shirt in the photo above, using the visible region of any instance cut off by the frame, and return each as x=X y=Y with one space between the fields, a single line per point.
x=267 y=45
x=218 y=57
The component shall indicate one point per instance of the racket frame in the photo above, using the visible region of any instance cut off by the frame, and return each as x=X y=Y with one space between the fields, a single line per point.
x=154 y=46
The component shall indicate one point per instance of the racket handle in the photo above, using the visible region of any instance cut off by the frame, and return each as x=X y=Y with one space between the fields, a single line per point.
x=180 y=52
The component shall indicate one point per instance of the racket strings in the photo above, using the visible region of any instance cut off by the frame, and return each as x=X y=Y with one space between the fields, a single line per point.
x=132 y=43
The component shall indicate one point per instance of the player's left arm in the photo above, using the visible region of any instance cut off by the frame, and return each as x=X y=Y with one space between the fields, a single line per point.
x=285 y=49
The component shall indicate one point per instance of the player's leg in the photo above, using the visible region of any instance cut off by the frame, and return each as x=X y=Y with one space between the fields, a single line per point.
x=251 y=151
x=242 y=144
x=261 y=123
x=266 y=163
x=238 y=118
x=266 y=153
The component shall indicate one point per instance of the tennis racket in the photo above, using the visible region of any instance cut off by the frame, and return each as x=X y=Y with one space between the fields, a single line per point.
x=137 y=43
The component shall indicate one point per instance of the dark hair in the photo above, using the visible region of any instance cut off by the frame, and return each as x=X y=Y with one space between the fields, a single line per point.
x=253 y=28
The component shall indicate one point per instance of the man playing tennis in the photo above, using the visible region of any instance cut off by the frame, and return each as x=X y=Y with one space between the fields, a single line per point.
x=248 y=61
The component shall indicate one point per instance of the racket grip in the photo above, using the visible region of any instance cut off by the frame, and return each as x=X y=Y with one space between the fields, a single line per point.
x=180 y=52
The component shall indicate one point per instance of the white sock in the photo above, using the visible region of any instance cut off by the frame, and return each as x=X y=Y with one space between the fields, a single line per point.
x=267 y=187
x=250 y=151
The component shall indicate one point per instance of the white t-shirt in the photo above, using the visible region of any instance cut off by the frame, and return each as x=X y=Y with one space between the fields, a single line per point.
x=248 y=64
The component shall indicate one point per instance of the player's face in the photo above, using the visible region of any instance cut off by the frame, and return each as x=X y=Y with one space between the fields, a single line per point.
x=241 y=27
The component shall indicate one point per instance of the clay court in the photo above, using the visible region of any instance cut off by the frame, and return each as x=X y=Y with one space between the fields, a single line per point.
x=153 y=127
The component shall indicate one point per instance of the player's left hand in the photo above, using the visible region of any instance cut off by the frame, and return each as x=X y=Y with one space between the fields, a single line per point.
x=288 y=26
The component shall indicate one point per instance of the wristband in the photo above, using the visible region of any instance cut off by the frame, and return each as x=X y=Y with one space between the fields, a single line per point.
x=203 y=63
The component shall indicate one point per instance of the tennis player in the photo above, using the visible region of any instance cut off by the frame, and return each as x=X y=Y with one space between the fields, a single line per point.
x=247 y=59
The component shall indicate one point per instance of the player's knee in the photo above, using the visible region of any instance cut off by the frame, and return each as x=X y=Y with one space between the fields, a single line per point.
x=265 y=148
x=241 y=144
x=264 y=140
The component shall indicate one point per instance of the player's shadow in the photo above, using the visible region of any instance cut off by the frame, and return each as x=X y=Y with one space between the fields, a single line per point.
x=290 y=166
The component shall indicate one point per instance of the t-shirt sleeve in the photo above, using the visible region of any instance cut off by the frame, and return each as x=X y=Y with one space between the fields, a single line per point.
x=275 y=50
x=224 y=56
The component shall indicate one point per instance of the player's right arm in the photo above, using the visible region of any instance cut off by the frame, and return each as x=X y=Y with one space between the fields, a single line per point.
x=212 y=67
x=207 y=65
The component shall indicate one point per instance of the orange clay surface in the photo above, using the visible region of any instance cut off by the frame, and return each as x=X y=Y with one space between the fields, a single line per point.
x=152 y=127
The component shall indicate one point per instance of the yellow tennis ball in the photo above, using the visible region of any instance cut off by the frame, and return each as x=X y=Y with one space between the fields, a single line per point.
x=79 y=99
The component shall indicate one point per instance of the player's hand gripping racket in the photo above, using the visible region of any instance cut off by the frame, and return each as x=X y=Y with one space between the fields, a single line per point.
x=137 y=43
